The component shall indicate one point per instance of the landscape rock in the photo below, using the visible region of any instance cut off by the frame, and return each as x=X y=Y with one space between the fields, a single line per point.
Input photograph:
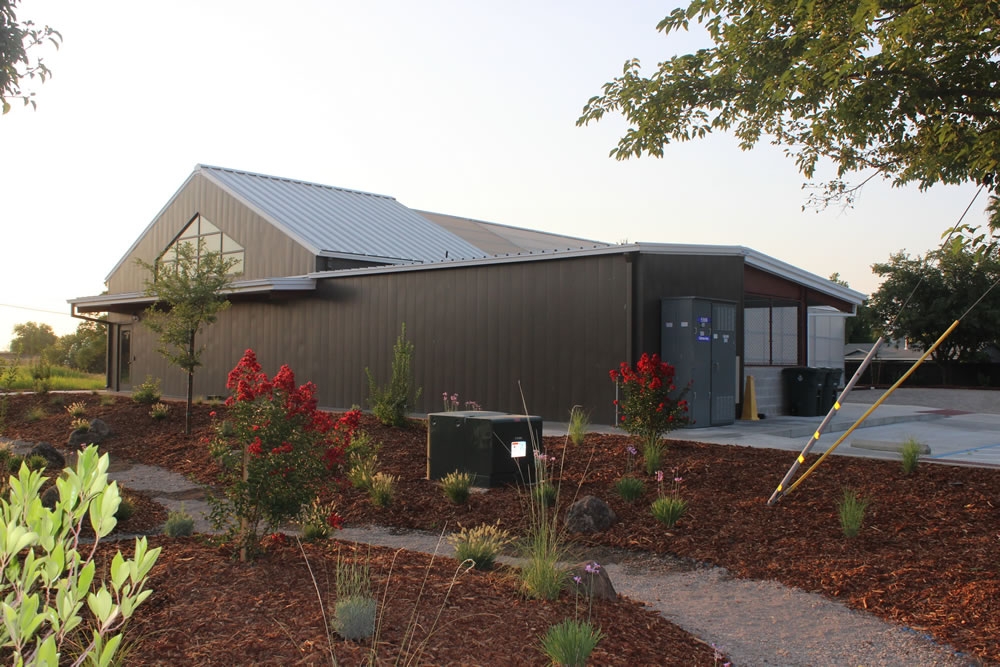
x=50 y=497
x=590 y=515
x=80 y=439
x=594 y=581
x=100 y=428
x=52 y=455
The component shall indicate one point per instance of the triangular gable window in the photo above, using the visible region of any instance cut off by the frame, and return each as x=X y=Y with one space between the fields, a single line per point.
x=206 y=237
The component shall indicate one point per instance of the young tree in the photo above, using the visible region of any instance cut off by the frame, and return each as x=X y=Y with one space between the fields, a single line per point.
x=16 y=40
x=189 y=294
x=944 y=284
x=905 y=90
x=31 y=339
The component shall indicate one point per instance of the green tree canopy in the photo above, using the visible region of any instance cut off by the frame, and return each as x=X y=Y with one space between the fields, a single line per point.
x=903 y=89
x=85 y=349
x=17 y=39
x=861 y=327
x=189 y=290
x=31 y=339
x=945 y=284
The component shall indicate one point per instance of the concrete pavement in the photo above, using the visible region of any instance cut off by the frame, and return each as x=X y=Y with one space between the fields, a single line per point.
x=959 y=426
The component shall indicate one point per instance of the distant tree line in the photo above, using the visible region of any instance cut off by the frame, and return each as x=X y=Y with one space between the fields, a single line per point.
x=85 y=349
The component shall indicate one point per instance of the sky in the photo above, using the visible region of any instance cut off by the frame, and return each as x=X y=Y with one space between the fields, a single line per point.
x=455 y=107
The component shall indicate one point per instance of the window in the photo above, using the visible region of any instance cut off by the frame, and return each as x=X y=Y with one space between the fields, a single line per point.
x=770 y=332
x=205 y=237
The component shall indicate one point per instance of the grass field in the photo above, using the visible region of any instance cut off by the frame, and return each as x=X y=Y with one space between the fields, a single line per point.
x=61 y=379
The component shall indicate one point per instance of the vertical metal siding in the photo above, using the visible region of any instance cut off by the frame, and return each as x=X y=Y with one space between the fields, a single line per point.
x=557 y=326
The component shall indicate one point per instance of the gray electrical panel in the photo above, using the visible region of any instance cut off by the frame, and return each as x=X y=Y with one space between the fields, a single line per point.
x=698 y=338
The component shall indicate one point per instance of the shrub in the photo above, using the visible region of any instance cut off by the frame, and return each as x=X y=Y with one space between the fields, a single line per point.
x=579 y=422
x=318 y=519
x=544 y=493
x=281 y=451
x=79 y=424
x=8 y=376
x=647 y=404
x=910 y=453
x=47 y=592
x=107 y=399
x=456 y=486
x=481 y=544
x=851 y=510
x=391 y=402
x=34 y=414
x=77 y=409
x=36 y=462
x=361 y=471
x=383 y=488
x=159 y=411
x=179 y=524
x=126 y=508
x=668 y=509
x=354 y=611
x=571 y=642
x=58 y=399
x=148 y=392
x=630 y=488
x=41 y=376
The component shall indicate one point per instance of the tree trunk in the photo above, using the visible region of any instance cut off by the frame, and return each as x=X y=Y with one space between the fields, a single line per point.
x=190 y=387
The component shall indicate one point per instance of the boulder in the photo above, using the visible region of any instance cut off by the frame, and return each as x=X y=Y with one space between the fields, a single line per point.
x=50 y=497
x=52 y=455
x=590 y=515
x=100 y=429
x=80 y=439
x=592 y=580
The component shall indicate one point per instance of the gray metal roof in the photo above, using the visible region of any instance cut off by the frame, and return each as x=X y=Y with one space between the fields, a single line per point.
x=326 y=219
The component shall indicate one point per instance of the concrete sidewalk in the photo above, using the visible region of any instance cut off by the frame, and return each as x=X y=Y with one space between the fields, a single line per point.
x=958 y=425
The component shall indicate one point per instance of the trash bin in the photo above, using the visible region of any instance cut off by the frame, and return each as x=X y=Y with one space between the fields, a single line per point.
x=828 y=395
x=803 y=386
x=496 y=447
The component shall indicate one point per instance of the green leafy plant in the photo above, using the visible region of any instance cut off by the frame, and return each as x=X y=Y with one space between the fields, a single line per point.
x=282 y=450
x=179 y=523
x=668 y=509
x=579 y=422
x=544 y=493
x=37 y=413
x=148 y=392
x=48 y=578
x=851 y=510
x=910 y=453
x=390 y=402
x=159 y=411
x=8 y=377
x=36 y=462
x=383 y=489
x=107 y=399
x=456 y=486
x=649 y=405
x=77 y=409
x=481 y=544
x=354 y=612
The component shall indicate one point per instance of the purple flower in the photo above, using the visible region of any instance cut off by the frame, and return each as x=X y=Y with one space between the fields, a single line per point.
x=632 y=451
x=444 y=395
x=678 y=480
x=578 y=580
x=454 y=398
x=659 y=475
x=592 y=568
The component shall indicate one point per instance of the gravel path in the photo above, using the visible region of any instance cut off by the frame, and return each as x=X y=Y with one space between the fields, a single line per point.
x=753 y=622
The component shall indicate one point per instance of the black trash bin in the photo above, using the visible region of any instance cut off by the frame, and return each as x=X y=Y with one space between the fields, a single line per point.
x=828 y=396
x=497 y=448
x=803 y=386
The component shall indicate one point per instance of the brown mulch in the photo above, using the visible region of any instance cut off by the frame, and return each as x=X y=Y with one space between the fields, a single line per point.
x=927 y=557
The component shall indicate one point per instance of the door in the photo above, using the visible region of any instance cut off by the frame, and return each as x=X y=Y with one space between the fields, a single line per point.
x=723 y=364
x=125 y=358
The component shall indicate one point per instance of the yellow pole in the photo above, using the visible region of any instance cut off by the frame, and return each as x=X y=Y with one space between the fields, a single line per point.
x=875 y=405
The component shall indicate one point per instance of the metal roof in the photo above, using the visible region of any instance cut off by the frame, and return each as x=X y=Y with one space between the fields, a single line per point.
x=326 y=219
x=497 y=239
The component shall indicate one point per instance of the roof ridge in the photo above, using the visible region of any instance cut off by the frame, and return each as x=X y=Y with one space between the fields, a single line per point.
x=293 y=180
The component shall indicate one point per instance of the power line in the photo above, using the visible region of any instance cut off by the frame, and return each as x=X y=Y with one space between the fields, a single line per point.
x=37 y=310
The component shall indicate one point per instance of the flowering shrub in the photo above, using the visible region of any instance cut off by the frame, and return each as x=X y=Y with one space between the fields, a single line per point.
x=668 y=509
x=276 y=451
x=648 y=405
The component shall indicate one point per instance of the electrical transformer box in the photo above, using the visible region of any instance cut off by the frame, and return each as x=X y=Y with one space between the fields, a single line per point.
x=496 y=447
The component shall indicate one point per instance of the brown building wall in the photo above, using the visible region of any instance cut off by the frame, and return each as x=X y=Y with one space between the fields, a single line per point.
x=269 y=252
x=556 y=326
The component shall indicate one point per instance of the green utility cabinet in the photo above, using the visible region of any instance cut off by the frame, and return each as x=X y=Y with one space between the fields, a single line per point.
x=496 y=447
